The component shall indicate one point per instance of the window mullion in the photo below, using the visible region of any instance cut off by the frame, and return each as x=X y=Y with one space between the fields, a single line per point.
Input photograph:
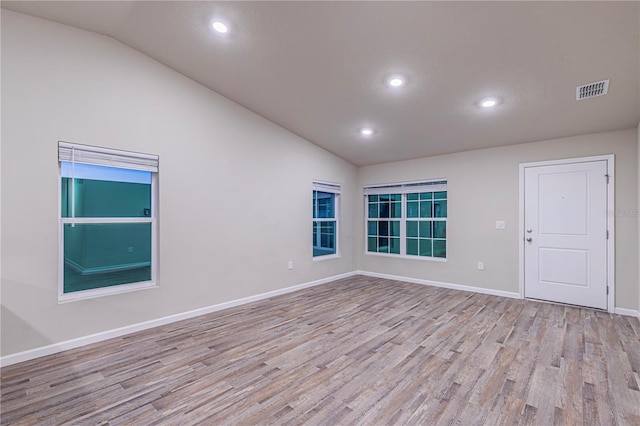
x=403 y=226
x=81 y=220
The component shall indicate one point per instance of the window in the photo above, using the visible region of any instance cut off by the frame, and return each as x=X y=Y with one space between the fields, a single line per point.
x=107 y=221
x=325 y=218
x=407 y=219
x=385 y=212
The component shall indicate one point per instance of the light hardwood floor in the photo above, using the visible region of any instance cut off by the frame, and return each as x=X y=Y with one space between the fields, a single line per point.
x=356 y=351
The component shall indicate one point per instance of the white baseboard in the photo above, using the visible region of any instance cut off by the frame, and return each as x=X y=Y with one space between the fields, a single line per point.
x=513 y=295
x=461 y=287
x=627 y=312
x=109 y=334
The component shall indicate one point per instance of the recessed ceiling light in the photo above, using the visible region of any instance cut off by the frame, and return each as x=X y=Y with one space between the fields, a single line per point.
x=488 y=102
x=396 y=81
x=366 y=131
x=220 y=27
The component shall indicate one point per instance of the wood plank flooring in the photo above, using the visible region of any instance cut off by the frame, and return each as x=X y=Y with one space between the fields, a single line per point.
x=358 y=351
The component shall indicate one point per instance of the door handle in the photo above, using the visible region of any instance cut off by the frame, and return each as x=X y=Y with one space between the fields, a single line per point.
x=529 y=239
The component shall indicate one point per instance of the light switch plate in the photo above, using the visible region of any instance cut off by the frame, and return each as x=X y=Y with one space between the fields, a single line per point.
x=500 y=224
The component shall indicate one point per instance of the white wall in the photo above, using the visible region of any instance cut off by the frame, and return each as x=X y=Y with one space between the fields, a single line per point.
x=483 y=188
x=638 y=209
x=234 y=189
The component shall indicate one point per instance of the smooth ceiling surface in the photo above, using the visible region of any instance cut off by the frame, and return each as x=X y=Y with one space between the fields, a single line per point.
x=318 y=68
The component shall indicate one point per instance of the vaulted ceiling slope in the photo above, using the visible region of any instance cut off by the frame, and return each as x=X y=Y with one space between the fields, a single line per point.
x=319 y=68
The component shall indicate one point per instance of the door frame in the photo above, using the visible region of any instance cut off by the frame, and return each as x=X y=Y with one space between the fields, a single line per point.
x=610 y=212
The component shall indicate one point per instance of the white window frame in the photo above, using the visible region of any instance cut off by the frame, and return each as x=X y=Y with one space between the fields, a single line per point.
x=333 y=188
x=404 y=188
x=85 y=154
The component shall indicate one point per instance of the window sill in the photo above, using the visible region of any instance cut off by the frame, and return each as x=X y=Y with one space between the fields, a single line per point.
x=105 y=291
x=405 y=256
x=326 y=257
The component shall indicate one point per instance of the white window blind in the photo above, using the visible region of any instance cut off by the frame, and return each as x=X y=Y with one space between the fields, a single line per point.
x=333 y=188
x=407 y=187
x=85 y=154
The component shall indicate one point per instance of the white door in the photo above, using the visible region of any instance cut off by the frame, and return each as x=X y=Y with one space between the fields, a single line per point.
x=565 y=247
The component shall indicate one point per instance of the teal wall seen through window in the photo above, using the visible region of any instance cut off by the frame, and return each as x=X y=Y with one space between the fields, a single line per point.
x=101 y=198
x=106 y=254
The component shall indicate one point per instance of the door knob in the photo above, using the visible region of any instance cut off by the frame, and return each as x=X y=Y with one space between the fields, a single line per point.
x=529 y=239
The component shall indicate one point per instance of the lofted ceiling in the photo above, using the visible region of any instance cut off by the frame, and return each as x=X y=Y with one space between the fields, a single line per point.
x=318 y=69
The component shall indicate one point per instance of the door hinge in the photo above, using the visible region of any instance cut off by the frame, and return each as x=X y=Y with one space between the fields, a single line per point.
x=607 y=176
x=607 y=234
x=607 y=289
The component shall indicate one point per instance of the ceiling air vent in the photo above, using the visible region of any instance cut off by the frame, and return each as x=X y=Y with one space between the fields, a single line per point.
x=592 y=90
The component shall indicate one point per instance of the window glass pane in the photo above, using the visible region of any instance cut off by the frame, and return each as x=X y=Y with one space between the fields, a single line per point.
x=373 y=198
x=426 y=195
x=385 y=197
x=396 y=209
x=325 y=205
x=412 y=196
x=100 y=198
x=384 y=209
x=372 y=244
x=394 y=246
x=372 y=227
x=425 y=247
x=100 y=255
x=394 y=229
x=396 y=197
x=412 y=209
x=105 y=191
x=324 y=238
x=412 y=228
x=373 y=210
x=412 y=246
x=327 y=230
x=440 y=229
x=440 y=195
x=439 y=248
x=425 y=208
x=425 y=229
x=440 y=208
x=383 y=244
x=383 y=228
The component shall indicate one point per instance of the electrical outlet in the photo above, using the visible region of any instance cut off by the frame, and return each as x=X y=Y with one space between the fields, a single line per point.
x=500 y=224
x=290 y=264
x=481 y=266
